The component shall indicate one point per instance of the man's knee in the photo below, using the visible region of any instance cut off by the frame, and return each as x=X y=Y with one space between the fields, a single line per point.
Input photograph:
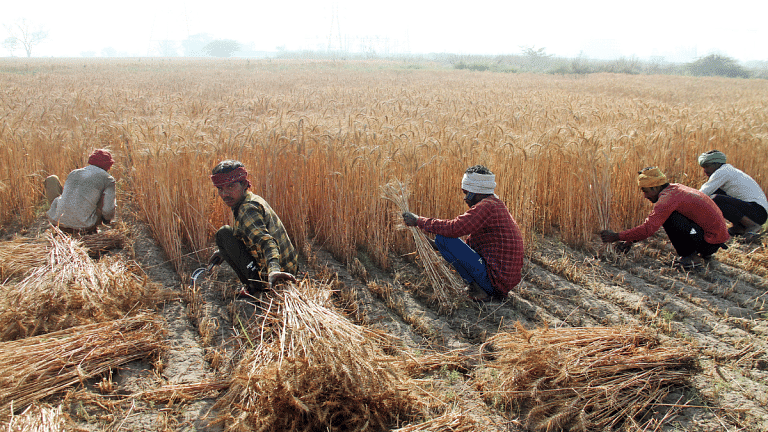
x=224 y=236
x=53 y=188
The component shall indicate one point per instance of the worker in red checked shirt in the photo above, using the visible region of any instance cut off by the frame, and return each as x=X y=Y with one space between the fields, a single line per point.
x=491 y=260
x=692 y=221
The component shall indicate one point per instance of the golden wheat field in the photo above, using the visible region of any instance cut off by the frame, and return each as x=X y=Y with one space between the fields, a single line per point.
x=320 y=139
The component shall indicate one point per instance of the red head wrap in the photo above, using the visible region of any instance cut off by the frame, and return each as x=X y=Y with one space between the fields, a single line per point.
x=102 y=159
x=236 y=175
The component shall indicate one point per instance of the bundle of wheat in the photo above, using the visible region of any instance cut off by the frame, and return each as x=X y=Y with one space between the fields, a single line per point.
x=312 y=369
x=40 y=366
x=448 y=287
x=71 y=289
x=37 y=418
x=581 y=378
x=451 y=421
x=21 y=255
x=102 y=241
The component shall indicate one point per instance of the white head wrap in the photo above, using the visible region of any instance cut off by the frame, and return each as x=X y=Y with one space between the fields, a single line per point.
x=479 y=183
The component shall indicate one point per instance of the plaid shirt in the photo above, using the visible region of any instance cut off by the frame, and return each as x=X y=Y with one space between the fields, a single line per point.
x=259 y=227
x=689 y=202
x=492 y=233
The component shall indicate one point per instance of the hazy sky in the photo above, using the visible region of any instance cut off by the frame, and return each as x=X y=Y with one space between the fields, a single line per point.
x=674 y=29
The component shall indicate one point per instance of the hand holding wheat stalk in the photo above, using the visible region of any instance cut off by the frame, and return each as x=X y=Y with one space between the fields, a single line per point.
x=448 y=287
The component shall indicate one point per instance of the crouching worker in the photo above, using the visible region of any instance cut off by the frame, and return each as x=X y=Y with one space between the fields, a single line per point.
x=256 y=246
x=738 y=195
x=491 y=260
x=692 y=221
x=87 y=198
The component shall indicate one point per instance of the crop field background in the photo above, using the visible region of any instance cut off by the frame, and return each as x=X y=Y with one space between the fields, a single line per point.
x=321 y=138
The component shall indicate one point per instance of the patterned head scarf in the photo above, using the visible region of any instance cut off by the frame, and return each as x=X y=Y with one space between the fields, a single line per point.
x=236 y=175
x=101 y=158
x=712 y=156
x=651 y=177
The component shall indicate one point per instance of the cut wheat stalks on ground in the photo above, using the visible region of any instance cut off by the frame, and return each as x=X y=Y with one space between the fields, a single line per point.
x=37 y=418
x=72 y=289
x=22 y=255
x=452 y=421
x=34 y=368
x=581 y=378
x=106 y=240
x=448 y=287
x=312 y=369
x=173 y=393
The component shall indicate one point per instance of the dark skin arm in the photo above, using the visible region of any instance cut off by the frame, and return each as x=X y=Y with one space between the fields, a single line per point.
x=609 y=236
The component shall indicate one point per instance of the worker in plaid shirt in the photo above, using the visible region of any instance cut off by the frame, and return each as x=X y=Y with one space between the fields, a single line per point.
x=257 y=246
x=491 y=260
x=692 y=221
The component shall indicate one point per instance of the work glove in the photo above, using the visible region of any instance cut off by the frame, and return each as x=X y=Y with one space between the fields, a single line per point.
x=278 y=276
x=410 y=219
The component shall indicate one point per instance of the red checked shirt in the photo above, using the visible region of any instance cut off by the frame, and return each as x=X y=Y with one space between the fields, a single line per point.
x=491 y=232
x=689 y=202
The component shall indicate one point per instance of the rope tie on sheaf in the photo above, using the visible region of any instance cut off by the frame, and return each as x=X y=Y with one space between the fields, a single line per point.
x=479 y=183
x=236 y=175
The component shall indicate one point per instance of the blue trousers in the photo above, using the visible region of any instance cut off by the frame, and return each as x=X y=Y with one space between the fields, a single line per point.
x=468 y=263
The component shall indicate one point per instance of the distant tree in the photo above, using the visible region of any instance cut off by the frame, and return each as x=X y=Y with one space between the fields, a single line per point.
x=532 y=52
x=10 y=44
x=537 y=58
x=221 y=47
x=109 y=52
x=23 y=34
x=193 y=45
x=717 y=65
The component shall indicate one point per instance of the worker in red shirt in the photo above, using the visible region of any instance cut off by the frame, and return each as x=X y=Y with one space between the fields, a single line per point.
x=491 y=260
x=692 y=221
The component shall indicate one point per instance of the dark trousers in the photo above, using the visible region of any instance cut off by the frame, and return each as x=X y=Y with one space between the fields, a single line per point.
x=734 y=209
x=237 y=255
x=468 y=263
x=687 y=237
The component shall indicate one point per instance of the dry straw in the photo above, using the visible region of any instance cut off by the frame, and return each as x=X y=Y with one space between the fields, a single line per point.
x=451 y=421
x=312 y=369
x=21 y=255
x=71 y=289
x=447 y=287
x=184 y=392
x=36 y=367
x=581 y=378
x=37 y=418
x=103 y=241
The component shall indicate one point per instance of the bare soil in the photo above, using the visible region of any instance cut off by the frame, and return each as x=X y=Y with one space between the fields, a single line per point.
x=719 y=309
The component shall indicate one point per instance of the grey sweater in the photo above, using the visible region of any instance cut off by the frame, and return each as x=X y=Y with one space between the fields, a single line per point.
x=88 y=195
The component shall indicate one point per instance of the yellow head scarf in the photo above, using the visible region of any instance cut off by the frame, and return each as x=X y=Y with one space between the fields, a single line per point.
x=651 y=177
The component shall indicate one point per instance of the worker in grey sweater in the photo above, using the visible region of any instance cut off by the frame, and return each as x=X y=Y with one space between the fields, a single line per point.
x=738 y=195
x=87 y=198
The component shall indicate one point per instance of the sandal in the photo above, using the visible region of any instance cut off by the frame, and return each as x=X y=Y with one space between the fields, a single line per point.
x=687 y=263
